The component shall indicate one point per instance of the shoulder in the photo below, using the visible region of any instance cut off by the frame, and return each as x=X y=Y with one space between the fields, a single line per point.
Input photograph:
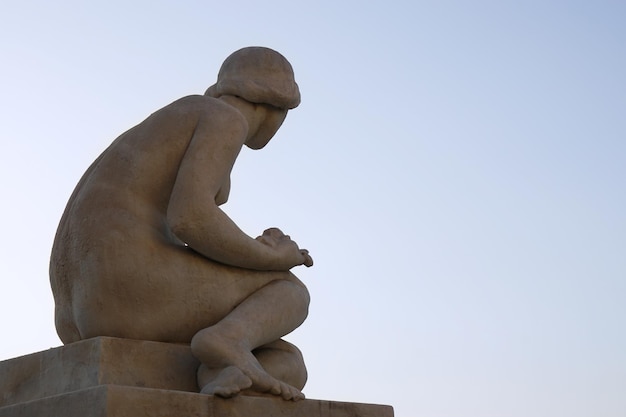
x=204 y=104
x=205 y=109
x=192 y=101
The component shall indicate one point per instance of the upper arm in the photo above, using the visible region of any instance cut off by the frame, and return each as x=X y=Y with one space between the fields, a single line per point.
x=206 y=165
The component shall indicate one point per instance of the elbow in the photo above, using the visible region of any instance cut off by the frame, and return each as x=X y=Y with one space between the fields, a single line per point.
x=190 y=227
x=179 y=227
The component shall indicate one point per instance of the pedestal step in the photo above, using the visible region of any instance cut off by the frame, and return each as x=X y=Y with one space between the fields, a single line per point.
x=97 y=361
x=121 y=401
x=110 y=377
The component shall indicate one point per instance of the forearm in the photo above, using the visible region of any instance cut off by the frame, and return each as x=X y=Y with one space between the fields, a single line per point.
x=217 y=237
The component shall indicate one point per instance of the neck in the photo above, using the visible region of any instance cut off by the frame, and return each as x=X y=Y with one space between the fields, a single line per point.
x=250 y=112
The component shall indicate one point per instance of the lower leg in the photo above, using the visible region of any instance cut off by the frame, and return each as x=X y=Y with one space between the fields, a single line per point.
x=263 y=317
x=283 y=361
x=280 y=359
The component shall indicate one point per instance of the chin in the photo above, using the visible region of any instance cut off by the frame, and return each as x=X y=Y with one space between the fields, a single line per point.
x=256 y=148
x=257 y=144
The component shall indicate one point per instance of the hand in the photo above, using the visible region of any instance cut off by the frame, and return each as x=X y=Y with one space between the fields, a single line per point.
x=288 y=250
x=308 y=261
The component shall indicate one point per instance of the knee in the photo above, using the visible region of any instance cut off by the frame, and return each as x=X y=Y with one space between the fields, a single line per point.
x=301 y=289
x=301 y=294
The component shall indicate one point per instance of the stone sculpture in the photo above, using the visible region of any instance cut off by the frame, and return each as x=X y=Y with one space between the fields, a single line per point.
x=143 y=250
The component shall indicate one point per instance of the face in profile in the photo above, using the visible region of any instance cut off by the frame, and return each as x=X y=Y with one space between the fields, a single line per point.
x=274 y=118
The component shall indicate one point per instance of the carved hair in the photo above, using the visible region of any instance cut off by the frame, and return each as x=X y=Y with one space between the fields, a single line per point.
x=258 y=75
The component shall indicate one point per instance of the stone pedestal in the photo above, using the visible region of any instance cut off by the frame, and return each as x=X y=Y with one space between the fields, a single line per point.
x=109 y=377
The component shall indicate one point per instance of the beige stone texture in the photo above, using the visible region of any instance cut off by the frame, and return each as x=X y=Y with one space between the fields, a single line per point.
x=158 y=293
x=110 y=377
x=121 y=401
x=97 y=361
x=144 y=251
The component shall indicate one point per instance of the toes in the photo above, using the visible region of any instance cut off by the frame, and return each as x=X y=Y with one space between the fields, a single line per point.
x=291 y=393
x=225 y=392
x=245 y=383
x=275 y=389
x=230 y=382
x=286 y=394
x=297 y=395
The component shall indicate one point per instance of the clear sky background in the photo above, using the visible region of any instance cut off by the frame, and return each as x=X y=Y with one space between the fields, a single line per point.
x=456 y=168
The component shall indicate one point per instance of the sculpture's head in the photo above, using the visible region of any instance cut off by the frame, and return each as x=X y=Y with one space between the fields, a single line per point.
x=258 y=75
x=262 y=78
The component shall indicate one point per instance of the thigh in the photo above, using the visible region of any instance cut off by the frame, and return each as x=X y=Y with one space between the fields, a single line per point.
x=168 y=296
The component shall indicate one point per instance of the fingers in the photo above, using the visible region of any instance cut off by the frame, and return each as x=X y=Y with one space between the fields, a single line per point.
x=273 y=232
x=308 y=261
x=272 y=237
x=275 y=238
x=266 y=241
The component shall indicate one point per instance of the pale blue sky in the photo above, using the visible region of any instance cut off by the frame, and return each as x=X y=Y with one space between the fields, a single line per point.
x=457 y=170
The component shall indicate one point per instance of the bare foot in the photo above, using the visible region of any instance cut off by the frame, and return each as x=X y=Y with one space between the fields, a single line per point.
x=228 y=383
x=216 y=350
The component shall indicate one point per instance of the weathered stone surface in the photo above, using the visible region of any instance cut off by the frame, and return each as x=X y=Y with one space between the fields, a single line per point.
x=110 y=377
x=97 y=361
x=144 y=250
x=120 y=401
